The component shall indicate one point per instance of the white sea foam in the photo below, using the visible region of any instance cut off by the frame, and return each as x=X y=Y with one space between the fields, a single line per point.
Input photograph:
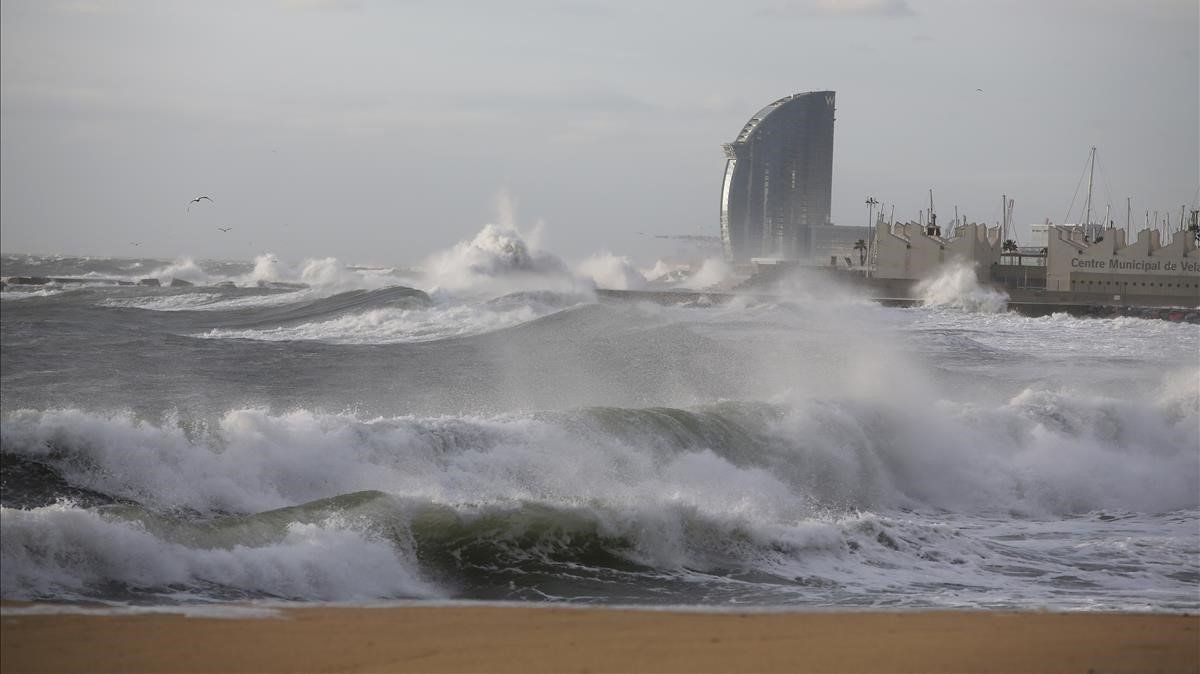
x=193 y=610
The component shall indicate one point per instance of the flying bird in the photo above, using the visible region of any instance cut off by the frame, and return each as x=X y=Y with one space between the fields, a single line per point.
x=197 y=200
x=224 y=229
x=979 y=90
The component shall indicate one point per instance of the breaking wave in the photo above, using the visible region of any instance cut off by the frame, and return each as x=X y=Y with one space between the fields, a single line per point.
x=1045 y=451
x=319 y=506
x=498 y=260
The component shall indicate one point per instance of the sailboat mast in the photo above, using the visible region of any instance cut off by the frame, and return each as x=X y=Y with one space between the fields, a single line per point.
x=1087 y=220
x=932 y=217
x=1003 y=218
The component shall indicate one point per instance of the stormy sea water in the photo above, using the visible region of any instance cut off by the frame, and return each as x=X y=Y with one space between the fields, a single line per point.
x=486 y=428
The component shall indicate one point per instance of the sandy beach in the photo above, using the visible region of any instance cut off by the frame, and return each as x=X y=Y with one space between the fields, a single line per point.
x=519 y=639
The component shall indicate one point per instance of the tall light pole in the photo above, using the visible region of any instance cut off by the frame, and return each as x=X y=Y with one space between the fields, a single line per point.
x=871 y=203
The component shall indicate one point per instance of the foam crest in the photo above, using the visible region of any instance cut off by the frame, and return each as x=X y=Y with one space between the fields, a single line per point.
x=65 y=552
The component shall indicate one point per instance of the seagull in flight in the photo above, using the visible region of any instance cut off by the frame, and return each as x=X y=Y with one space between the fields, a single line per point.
x=224 y=229
x=979 y=90
x=197 y=200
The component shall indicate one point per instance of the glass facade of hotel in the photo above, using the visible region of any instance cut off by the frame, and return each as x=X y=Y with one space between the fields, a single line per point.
x=778 y=179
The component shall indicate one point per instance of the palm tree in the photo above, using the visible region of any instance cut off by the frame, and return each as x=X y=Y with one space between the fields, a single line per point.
x=861 y=247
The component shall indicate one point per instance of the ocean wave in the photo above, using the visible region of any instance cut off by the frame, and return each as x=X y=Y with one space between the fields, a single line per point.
x=10 y=294
x=1044 y=451
x=416 y=319
x=497 y=260
x=372 y=545
x=1062 y=336
x=64 y=552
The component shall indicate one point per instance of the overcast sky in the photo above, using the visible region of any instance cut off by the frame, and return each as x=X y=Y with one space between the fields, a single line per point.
x=378 y=132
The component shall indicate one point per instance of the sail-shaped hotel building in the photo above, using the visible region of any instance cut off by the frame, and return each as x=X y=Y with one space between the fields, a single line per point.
x=779 y=179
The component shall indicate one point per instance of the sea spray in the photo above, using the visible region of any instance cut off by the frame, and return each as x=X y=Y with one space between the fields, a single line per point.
x=956 y=285
x=710 y=273
x=611 y=272
x=495 y=261
x=184 y=269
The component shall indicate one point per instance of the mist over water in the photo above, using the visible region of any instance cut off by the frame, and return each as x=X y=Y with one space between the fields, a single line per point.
x=483 y=427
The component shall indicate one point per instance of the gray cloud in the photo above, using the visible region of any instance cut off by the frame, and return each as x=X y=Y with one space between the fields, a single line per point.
x=320 y=5
x=840 y=8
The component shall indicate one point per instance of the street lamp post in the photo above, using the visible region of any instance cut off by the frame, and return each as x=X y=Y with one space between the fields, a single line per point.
x=871 y=203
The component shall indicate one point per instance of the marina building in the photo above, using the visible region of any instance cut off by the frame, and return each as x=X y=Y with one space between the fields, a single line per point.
x=1077 y=264
x=910 y=251
x=778 y=180
x=1113 y=269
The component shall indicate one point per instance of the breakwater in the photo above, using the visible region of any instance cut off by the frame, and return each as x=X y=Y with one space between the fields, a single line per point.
x=1025 y=308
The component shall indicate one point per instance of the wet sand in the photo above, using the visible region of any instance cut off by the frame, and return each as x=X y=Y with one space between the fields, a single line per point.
x=520 y=639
